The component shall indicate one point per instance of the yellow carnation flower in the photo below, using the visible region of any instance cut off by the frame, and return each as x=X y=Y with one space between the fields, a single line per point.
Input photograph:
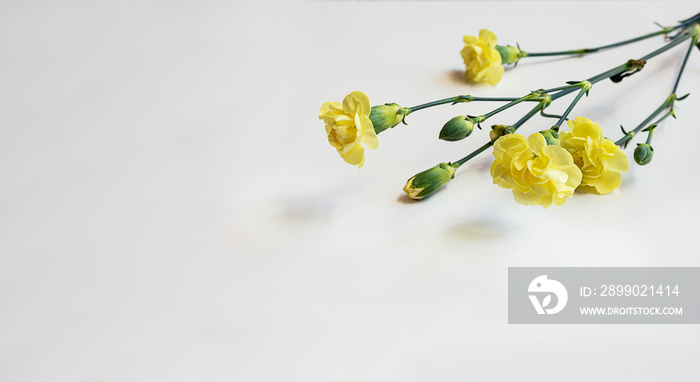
x=481 y=58
x=348 y=125
x=599 y=159
x=537 y=173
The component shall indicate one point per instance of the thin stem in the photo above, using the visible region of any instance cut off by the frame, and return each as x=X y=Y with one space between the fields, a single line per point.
x=529 y=97
x=562 y=90
x=691 y=20
x=570 y=86
x=609 y=73
x=668 y=46
x=595 y=79
x=457 y=99
x=666 y=30
x=651 y=133
x=653 y=126
x=529 y=115
x=580 y=94
x=486 y=145
x=591 y=50
x=473 y=154
x=668 y=102
x=668 y=114
x=685 y=60
x=624 y=67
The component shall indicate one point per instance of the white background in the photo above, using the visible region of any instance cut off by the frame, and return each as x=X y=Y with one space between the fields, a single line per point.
x=172 y=211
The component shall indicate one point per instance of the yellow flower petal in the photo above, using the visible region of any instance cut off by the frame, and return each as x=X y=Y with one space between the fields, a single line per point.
x=355 y=156
x=493 y=74
x=538 y=174
x=599 y=159
x=536 y=143
x=618 y=161
x=348 y=126
x=363 y=102
x=369 y=136
x=470 y=39
x=481 y=59
x=607 y=182
x=488 y=37
x=350 y=104
x=558 y=156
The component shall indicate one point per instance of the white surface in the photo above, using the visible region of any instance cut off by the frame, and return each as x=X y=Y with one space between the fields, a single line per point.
x=172 y=210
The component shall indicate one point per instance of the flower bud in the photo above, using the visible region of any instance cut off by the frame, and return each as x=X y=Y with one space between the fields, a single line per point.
x=643 y=154
x=498 y=131
x=427 y=182
x=386 y=116
x=509 y=54
x=551 y=136
x=457 y=128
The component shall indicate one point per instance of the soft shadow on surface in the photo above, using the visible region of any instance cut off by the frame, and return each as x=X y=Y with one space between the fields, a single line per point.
x=481 y=229
x=404 y=199
x=457 y=75
x=305 y=210
x=629 y=179
x=481 y=165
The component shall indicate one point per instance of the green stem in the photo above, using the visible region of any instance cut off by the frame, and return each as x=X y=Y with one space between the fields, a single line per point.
x=529 y=97
x=668 y=102
x=624 y=67
x=668 y=46
x=457 y=99
x=566 y=90
x=580 y=94
x=685 y=60
x=562 y=90
x=609 y=73
x=473 y=154
x=516 y=125
x=668 y=114
x=530 y=114
x=653 y=126
x=595 y=79
x=570 y=86
x=651 y=133
x=614 y=45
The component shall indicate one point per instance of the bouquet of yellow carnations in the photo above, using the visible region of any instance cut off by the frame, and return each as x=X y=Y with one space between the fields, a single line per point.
x=543 y=168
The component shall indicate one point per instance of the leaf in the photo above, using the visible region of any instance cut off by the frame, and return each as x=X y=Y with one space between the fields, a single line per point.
x=546 y=301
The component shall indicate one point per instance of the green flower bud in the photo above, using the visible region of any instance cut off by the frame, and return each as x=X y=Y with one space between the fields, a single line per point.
x=457 y=128
x=386 y=116
x=427 y=182
x=498 y=131
x=509 y=54
x=551 y=136
x=643 y=154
